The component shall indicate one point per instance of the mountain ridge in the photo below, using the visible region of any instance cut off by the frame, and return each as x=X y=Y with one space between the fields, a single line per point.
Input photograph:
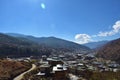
x=53 y=42
x=30 y=46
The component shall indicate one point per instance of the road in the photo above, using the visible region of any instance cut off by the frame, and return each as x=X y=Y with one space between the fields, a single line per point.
x=19 y=77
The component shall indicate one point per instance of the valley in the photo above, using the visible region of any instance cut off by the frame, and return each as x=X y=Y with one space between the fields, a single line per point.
x=55 y=59
x=59 y=39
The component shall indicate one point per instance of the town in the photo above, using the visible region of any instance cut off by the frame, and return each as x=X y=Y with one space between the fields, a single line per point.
x=67 y=66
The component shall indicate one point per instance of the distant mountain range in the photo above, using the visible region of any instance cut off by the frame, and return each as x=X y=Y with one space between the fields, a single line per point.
x=52 y=42
x=17 y=47
x=110 y=51
x=12 y=44
x=94 y=45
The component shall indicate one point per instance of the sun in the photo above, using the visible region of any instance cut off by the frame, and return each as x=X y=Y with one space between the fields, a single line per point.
x=43 y=6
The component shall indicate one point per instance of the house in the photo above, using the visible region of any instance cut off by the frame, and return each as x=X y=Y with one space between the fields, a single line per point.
x=81 y=66
x=79 y=56
x=40 y=74
x=54 y=61
x=114 y=67
x=102 y=68
x=44 y=57
x=59 y=72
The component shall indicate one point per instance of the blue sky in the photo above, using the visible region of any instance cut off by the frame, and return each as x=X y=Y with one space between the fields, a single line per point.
x=80 y=21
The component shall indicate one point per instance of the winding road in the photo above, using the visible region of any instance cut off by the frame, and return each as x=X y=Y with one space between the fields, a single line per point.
x=19 y=77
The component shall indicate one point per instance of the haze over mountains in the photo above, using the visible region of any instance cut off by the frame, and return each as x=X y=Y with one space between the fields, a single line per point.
x=22 y=45
x=94 y=45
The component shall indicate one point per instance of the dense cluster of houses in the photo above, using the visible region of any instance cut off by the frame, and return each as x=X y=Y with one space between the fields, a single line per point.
x=58 y=67
x=90 y=62
x=52 y=68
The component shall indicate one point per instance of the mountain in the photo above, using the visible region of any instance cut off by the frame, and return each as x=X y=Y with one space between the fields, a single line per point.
x=22 y=45
x=6 y=39
x=94 y=45
x=59 y=43
x=110 y=51
x=54 y=42
x=15 y=47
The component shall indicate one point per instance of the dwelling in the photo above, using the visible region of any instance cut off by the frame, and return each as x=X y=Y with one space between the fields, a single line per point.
x=54 y=61
x=40 y=74
x=81 y=67
x=114 y=67
x=102 y=68
x=59 y=72
x=89 y=57
x=44 y=57
x=79 y=56
x=53 y=68
x=96 y=63
x=73 y=62
x=90 y=67
x=61 y=56
x=45 y=68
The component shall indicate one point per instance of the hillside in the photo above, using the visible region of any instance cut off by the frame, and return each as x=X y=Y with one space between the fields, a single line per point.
x=110 y=51
x=18 y=46
x=60 y=43
x=14 y=47
x=10 y=69
x=53 y=42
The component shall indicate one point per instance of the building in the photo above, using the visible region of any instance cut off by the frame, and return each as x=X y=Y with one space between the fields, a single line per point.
x=59 y=72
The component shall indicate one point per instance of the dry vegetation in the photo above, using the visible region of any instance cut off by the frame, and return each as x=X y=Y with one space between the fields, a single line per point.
x=105 y=76
x=95 y=75
x=10 y=69
x=110 y=51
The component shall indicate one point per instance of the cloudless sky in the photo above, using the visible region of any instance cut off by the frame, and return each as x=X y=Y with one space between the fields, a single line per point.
x=59 y=18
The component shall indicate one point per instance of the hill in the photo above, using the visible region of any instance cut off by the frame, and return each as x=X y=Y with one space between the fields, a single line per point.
x=54 y=42
x=17 y=46
x=10 y=69
x=110 y=51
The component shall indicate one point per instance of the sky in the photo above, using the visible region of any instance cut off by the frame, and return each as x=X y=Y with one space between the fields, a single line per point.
x=80 y=21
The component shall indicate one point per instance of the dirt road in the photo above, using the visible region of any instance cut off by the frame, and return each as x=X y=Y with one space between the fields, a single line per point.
x=19 y=77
